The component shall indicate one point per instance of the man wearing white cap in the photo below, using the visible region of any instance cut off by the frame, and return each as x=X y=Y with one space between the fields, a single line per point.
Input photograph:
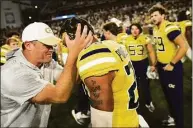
x=26 y=78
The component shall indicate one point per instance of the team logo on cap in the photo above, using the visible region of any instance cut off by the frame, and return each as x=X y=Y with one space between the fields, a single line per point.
x=48 y=30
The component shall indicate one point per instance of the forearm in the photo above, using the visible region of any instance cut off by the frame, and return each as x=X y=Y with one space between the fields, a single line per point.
x=67 y=79
x=179 y=54
x=183 y=47
x=152 y=57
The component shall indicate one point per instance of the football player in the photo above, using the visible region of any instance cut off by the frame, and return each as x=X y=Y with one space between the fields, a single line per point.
x=139 y=47
x=107 y=72
x=112 y=32
x=170 y=48
x=11 y=44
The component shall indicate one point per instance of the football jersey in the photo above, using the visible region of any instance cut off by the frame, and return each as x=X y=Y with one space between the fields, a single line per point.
x=99 y=59
x=137 y=47
x=163 y=38
x=4 y=50
x=121 y=37
x=64 y=53
x=183 y=25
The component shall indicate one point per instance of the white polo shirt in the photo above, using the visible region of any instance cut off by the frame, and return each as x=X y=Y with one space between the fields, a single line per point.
x=20 y=81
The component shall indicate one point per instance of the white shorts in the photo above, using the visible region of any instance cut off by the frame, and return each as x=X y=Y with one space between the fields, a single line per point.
x=101 y=118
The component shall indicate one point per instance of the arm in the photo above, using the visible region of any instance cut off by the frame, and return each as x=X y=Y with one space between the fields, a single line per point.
x=62 y=90
x=151 y=53
x=101 y=93
x=174 y=35
x=183 y=47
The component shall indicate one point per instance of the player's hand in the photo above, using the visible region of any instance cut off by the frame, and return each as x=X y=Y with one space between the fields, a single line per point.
x=152 y=72
x=168 y=67
x=152 y=68
x=80 y=42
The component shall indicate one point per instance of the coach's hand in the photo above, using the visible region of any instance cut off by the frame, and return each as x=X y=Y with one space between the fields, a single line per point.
x=168 y=67
x=80 y=41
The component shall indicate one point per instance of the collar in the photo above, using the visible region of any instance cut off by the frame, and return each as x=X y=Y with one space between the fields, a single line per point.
x=162 y=25
x=135 y=38
x=21 y=58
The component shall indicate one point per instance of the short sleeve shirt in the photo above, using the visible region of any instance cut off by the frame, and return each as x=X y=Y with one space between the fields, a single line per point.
x=20 y=81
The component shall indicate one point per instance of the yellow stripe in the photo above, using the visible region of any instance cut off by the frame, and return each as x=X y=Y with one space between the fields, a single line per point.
x=96 y=62
x=3 y=59
x=170 y=28
x=4 y=50
x=188 y=24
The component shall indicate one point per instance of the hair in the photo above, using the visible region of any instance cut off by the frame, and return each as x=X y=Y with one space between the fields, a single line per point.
x=157 y=7
x=2 y=41
x=112 y=27
x=12 y=39
x=70 y=26
x=10 y=34
x=138 y=26
x=23 y=46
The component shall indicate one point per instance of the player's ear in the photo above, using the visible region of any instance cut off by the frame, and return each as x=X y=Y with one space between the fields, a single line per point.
x=108 y=32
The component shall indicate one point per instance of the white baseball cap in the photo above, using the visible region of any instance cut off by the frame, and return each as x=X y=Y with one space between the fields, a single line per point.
x=116 y=21
x=41 y=32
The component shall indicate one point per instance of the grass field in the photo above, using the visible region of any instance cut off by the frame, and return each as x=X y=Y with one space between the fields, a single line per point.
x=61 y=113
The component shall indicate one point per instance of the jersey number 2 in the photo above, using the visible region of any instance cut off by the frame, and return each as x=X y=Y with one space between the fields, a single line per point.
x=132 y=103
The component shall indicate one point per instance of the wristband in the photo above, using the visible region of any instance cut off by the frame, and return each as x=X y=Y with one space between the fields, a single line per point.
x=172 y=64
